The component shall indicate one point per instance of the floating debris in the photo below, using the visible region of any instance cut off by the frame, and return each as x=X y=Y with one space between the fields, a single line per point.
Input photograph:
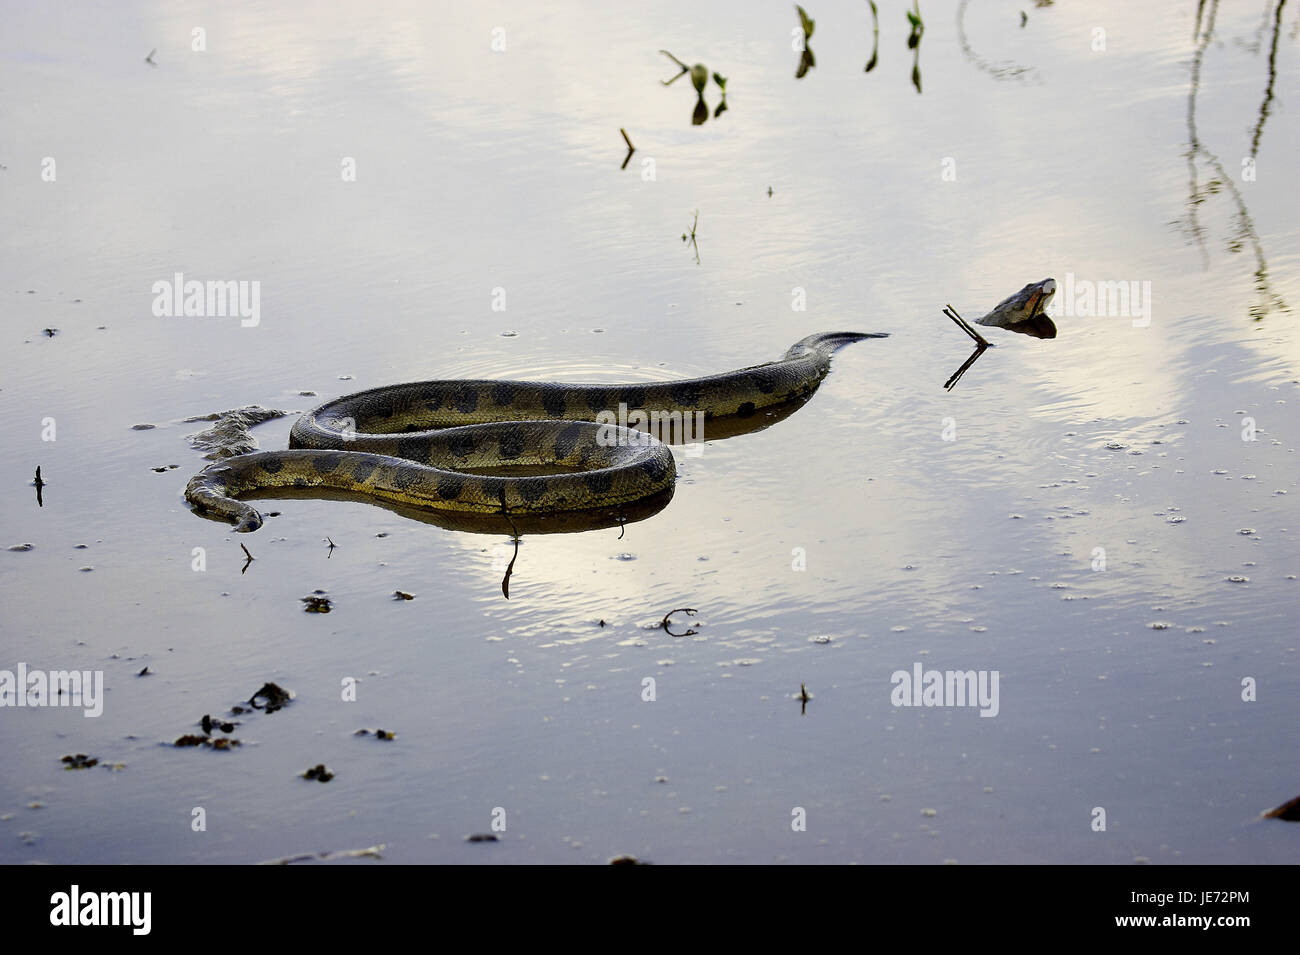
x=665 y=625
x=626 y=860
x=318 y=773
x=482 y=837
x=22 y=547
x=316 y=602
x=275 y=696
x=208 y=723
x=402 y=595
x=193 y=739
x=79 y=761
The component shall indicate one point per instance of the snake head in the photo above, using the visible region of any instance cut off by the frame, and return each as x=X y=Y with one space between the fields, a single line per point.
x=1027 y=305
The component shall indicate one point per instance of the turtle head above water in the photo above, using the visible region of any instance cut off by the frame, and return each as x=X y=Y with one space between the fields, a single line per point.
x=1023 y=311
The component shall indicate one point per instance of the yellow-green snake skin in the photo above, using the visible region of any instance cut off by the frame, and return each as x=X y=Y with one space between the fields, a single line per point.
x=419 y=444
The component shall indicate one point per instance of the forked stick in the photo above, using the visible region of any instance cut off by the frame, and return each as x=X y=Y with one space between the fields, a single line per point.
x=965 y=327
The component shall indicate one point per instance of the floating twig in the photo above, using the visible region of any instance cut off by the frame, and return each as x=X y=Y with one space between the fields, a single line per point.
x=685 y=69
x=689 y=632
x=630 y=148
x=981 y=345
x=966 y=327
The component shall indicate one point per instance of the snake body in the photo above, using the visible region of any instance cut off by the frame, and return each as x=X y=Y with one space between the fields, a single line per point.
x=423 y=443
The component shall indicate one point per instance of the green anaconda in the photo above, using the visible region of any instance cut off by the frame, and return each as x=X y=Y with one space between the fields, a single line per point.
x=422 y=443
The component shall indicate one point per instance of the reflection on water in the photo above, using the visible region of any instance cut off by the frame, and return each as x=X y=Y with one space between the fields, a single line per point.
x=806 y=59
x=875 y=38
x=1243 y=231
x=914 y=41
x=699 y=79
x=999 y=71
x=916 y=27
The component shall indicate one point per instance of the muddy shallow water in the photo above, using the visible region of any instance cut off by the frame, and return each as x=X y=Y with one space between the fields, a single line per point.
x=1083 y=516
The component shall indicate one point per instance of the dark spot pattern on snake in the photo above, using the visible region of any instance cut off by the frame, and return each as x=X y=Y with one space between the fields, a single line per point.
x=466 y=398
x=450 y=487
x=405 y=478
x=532 y=489
x=365 y=467
x=567 y=440
x=461 y=444
x=511 y=444
x=413 y=449
x=554 y=403
x=325 y=463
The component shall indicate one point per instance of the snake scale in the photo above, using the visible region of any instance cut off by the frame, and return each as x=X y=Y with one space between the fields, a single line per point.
x=423 y=443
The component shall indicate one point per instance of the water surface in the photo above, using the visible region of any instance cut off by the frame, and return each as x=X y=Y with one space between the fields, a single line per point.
x=479 y=171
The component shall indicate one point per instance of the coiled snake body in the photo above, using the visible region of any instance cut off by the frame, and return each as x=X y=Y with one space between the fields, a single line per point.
x=368 y=442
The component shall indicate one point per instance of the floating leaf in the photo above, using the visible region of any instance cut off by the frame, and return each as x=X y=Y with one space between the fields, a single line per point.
x=699 y=77
x=808 y=22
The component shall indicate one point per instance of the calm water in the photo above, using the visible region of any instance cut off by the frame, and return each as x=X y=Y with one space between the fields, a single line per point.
x=1037 y=520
